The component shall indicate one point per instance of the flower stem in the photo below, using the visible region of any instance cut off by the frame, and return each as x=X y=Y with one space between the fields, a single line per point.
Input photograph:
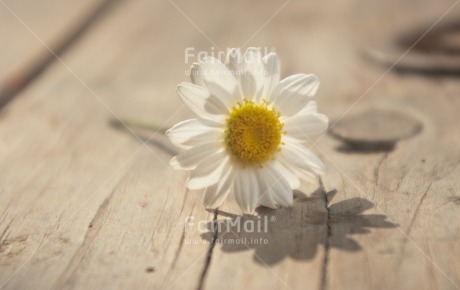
x=123 y=123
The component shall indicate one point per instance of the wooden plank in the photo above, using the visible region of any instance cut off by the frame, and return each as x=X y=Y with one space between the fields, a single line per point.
x=46 y=19
x=413 y=221
x=367 y=239
x=84 y=206
x=32 y=32
x=406 y=239
x=72 y=229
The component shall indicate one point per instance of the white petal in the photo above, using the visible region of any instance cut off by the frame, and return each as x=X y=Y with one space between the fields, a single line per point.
x=216 y=194
x=195 y=75
x=307 y=124
x=220 y=81
x=272 y=78
x=265 y=194
x=253 y=74
x=298 y=155
x=194 y=132
x=201 y=102
x=209 y=171
x=290 y=177
x=278 y=188
x=234 y=61
x=246 y=190
x=190 y=158
x=310 y=108
x=292 y=94
x=303 y=174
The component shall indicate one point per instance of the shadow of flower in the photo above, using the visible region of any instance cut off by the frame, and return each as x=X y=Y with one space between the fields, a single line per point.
x=296 y=232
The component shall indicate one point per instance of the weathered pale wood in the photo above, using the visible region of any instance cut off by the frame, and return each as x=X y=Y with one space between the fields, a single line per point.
x=85 y=206
x=26 y=25
x=368 y=247
x=413 y=186
x=409 y=239
x=71 y=217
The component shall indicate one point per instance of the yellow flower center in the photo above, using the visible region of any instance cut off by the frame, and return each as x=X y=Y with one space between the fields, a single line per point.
x=253 y=132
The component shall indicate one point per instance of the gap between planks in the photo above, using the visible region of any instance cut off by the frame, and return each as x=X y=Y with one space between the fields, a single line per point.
x=18 y=81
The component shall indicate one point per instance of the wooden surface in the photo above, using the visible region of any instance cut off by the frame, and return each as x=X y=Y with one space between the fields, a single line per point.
x=86 y=205
x=28 y=25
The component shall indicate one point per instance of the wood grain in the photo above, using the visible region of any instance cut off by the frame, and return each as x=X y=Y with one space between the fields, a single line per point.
x=35 y=34
x=85 y=205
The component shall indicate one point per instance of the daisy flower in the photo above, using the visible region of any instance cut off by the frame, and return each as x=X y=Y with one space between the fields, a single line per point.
x=250 y=131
